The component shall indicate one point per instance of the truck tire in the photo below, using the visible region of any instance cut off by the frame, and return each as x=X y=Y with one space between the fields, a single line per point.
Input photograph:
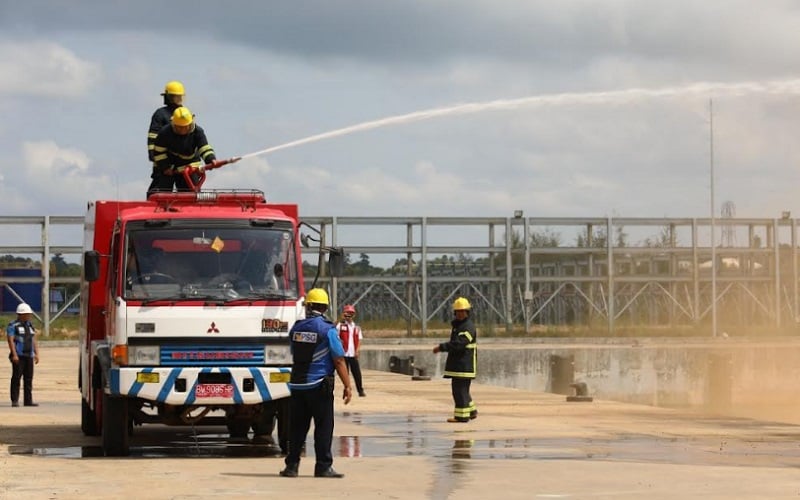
x=284 y=417
x=238 y=428
x=264 y=424
x=88 y=420
x=116 y=442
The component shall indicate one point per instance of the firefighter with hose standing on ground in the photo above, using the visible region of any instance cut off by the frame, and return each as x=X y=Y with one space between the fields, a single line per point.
x=462 y=360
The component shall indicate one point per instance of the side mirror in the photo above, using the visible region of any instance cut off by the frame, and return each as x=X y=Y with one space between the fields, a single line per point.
x=91 y=265
x=336 y=262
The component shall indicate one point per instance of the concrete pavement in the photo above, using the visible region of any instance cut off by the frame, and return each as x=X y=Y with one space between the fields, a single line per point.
x=395 y=443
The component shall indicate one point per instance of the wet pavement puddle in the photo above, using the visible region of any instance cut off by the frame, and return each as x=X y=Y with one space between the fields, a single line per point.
x=778 y=446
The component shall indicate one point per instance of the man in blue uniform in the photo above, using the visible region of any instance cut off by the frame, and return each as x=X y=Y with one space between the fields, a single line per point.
x=24 y=353
x=316 y=353
x=462 y=360
x=181 y=144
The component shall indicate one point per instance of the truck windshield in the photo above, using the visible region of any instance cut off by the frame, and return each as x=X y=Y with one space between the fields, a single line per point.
x=202 y=264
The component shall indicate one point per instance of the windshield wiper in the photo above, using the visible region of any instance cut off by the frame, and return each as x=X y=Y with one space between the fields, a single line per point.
x=208 y=299
x=268 y=295
x=170 y=298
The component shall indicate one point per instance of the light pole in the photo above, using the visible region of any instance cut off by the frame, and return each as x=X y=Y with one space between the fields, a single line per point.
x=713 y=232
x=527 y=296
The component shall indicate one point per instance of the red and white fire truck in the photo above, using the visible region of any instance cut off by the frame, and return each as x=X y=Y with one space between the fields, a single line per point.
x=186 y=303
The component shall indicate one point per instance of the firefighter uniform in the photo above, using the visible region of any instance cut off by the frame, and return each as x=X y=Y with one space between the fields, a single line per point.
x=159 y=120
x=173 y=151
x=315 y=343
x=461 y=364
x=173 y=98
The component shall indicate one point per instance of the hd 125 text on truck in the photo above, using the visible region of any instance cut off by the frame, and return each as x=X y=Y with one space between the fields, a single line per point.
x=186 y=303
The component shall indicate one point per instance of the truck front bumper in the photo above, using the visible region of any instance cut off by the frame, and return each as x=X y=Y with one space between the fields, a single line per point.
x=201 y=386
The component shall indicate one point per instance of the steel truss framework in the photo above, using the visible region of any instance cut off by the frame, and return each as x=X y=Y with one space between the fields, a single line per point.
x=590 y=280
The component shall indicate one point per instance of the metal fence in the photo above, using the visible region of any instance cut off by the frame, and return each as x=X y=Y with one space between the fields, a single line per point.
x=527 y=272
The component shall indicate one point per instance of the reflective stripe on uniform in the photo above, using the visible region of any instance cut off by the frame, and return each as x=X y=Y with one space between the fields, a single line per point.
x=474 y=371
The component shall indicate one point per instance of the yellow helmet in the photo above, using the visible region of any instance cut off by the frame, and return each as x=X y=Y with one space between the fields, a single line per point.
x=173 y=88
x=182 y=117
x=461 y=304
x=317 y=296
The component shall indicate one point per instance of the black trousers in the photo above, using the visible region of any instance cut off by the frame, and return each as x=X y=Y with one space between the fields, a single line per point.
x=316 y=404
x=354 y=368
x=461 y=396
x=23 y=369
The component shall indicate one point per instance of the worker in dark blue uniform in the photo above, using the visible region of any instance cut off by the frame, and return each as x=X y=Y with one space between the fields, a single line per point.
x=179 y=145
x=316 y=353
x=173 y=98
x=462 y=360
x=24 y=353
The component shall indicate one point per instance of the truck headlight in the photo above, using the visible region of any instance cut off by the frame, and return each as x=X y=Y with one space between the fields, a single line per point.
x=277 y=355
x=143 y=355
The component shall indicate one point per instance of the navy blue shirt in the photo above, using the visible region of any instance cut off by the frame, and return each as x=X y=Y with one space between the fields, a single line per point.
x=23 y=341
x=315 y=344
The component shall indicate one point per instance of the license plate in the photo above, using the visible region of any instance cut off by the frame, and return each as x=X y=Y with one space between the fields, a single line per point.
x=278 y=377
x=213 y=391
x=146 y=378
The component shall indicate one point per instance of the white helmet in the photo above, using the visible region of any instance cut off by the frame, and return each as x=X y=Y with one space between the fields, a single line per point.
x=24 y=309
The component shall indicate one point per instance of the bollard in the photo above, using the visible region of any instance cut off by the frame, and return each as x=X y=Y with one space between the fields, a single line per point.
x=420 y=374
x=581 y=393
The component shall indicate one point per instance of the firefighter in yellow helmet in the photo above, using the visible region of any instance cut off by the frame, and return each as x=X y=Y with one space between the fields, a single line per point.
x=179 y=145
x=173 y=98
x=462 y=360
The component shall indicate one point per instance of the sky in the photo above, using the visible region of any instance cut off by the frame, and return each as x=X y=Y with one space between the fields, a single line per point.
x=582 y=108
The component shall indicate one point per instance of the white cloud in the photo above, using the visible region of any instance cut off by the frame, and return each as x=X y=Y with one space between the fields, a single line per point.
x=46 y=160
x=44 y=68
x=59 y=180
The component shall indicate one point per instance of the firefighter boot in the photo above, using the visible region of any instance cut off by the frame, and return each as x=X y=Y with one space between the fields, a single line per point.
x=329 y=472
x=290 y=470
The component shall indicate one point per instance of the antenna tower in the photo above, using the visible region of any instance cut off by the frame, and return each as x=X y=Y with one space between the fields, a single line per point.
x=728 y=231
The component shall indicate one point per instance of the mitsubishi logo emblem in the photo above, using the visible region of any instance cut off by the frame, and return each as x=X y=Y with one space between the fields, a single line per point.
x=213 y=328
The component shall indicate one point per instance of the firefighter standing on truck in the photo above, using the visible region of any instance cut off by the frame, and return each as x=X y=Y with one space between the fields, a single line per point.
x=181 y=144
x=173 y=98
x=316 y=353
x=462 y=360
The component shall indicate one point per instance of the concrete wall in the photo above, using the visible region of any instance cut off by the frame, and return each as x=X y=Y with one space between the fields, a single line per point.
x=718 y=374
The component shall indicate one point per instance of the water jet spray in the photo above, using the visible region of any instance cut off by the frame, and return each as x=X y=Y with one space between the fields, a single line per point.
x=772 y=87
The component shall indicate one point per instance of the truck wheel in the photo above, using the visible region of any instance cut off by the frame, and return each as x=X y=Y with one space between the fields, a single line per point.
x=264 y=424
x=88 y=419
x=284 y=418
x=238 y=429
x=115 y=426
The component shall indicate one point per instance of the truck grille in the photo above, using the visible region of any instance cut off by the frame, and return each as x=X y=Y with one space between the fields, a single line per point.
x=212 y=355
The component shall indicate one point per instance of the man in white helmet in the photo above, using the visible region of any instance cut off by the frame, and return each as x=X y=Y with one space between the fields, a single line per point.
x=24 y=353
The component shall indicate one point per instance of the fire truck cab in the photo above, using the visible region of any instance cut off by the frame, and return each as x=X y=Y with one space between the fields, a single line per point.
x=186 y=304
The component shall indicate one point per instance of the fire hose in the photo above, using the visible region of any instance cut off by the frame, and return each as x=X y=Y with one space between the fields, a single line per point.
x=195 y=176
